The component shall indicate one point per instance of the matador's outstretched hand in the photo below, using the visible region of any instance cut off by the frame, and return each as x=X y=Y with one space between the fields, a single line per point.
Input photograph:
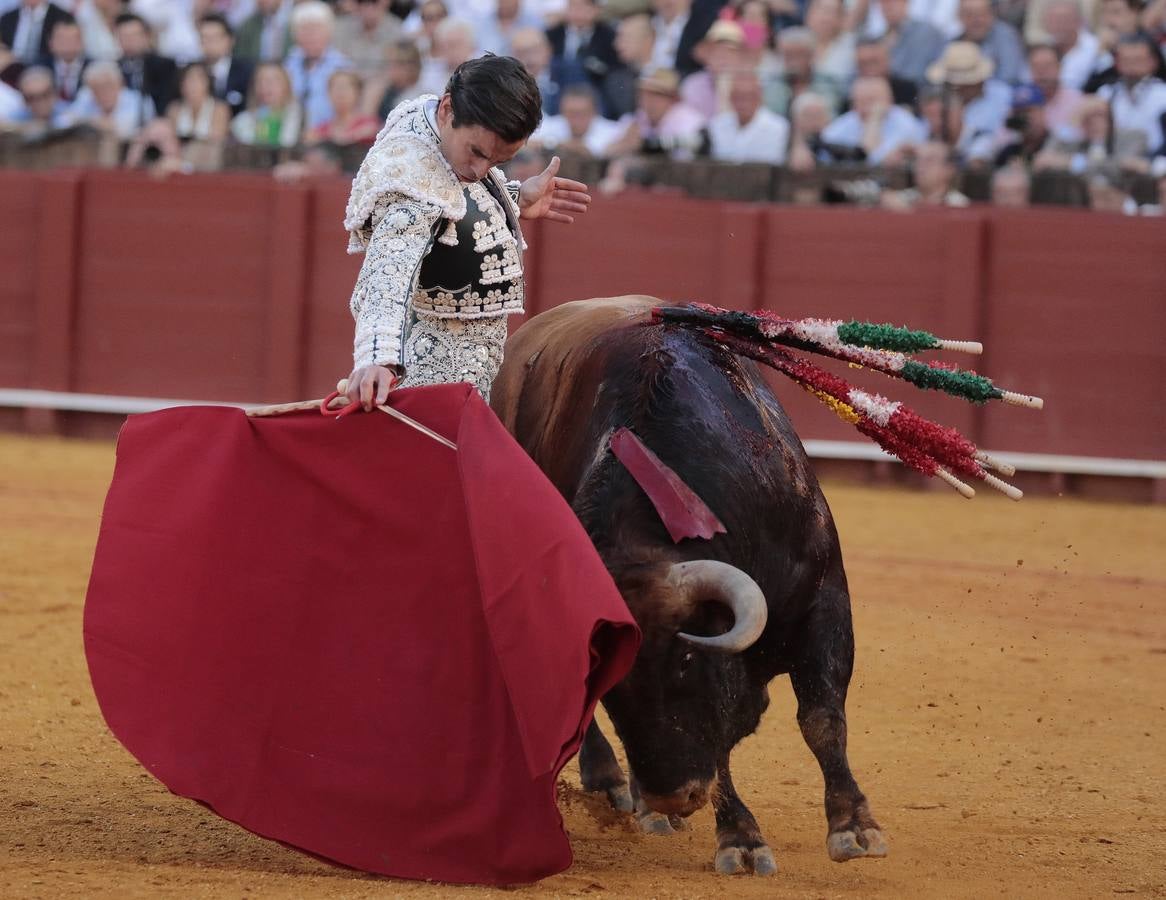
x=547 y=196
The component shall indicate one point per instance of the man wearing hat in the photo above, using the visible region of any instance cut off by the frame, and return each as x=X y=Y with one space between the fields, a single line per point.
x=719 y=52
x=662 y=122
x=1026 y=131
x=966 y=73
x=998 y=41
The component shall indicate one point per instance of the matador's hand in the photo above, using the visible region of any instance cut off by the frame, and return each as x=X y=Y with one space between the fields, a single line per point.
x=369 y=383
x=548 y=197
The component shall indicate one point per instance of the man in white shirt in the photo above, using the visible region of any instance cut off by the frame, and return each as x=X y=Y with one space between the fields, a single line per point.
x=578 y=127
x=748 y=132
x=965 y=72
x=875 y=124
x=1078 y=48
x=669 y=22
x=1138 y=100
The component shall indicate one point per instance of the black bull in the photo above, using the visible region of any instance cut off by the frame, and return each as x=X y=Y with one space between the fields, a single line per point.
x=571 y=377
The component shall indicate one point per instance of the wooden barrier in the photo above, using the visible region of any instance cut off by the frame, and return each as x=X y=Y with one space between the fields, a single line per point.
x=235 y=287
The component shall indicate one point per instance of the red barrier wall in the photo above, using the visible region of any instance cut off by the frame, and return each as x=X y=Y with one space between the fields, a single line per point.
x=234 y=287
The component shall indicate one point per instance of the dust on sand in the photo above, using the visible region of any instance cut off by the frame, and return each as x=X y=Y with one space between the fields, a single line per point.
x=1006 y=721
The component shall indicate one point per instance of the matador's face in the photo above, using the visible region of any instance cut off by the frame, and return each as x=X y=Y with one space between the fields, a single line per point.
x=471 y=150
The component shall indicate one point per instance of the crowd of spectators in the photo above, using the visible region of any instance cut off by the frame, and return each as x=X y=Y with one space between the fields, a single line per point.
x=940 y=88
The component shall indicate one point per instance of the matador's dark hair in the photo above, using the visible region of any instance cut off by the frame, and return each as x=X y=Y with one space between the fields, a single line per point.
x=497 y=93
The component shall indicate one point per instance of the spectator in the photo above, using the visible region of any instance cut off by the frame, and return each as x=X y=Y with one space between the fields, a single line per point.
x=1091 y=144
x=97 y=19
x=454 y=42
x=107 y=104
x=347 y=125
x=965 y=71
x=38 y=109
x=157 y=149
x=872 y=60
x=172 y=22
x=748 y=132
x=942 y=112
x=1034 y=31
x=313 y=59
x=796 y=49
x=272 y=117
x=883 y=131
x=810 y=115
x=679 y=26
x=1119 y=18
x=1138 y=100
x=935 y=170
x=533 y=50
x=430 y=14
x=25 y=30
x=662 y=123
x=230 y=77
x=578 y=128
x=363 y=35
x=1078 y=49
x=942 y=15
x=1011 y=187
x=265 y=35
x=719 y=52
x=144 y=71
x=66 y=58
x=1107 y=195
x=634 y=43
x=1061 y=101
x=401 y=80
x=833 y=45
x=496 y=30
x=12 y=105
x=196 y=115
x=998 y=41
x=583 y=45
x=1026 y=132
x=914 y=44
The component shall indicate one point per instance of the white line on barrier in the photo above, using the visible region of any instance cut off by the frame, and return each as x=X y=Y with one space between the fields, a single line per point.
x=851 y=450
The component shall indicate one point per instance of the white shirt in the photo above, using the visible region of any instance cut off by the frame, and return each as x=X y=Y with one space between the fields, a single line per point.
x=764 y=139
x=1080 y=62
x=667 y=42
x=1141 y=108
x=600 y=135
x=173 y=22
x=26 y=42
x=99 y=40
x=943 y=14
x=899 y=127
x=11 y=102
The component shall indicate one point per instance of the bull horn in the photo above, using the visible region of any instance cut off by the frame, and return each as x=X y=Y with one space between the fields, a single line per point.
x=707 y=579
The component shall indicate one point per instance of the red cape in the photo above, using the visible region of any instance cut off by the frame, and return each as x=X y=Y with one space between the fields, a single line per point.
x=347 y=637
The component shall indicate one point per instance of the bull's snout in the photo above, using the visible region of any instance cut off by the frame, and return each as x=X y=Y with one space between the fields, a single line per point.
x=683 y=802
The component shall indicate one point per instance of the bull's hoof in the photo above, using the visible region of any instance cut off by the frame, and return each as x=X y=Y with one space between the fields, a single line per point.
x=742 y=861
x=844 y=846
x=658 y=823
x=620 y=798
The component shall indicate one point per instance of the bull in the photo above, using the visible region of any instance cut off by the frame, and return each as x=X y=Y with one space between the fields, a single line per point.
x=722 y=617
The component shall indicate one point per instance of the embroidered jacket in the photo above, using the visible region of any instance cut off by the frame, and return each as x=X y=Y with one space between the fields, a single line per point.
x=433 y=245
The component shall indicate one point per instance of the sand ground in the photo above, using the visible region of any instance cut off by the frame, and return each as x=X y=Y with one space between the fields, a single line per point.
x=1007 y=721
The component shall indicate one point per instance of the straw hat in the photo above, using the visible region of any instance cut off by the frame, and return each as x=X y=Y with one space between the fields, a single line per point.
x=660 y=81
x=724 y=31
x=962 y=63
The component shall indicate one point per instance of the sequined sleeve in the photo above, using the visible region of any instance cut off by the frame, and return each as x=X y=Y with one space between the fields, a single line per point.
x=400 y=239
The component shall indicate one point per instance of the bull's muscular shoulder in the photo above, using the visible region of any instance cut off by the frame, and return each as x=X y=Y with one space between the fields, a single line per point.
x=553 y=346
